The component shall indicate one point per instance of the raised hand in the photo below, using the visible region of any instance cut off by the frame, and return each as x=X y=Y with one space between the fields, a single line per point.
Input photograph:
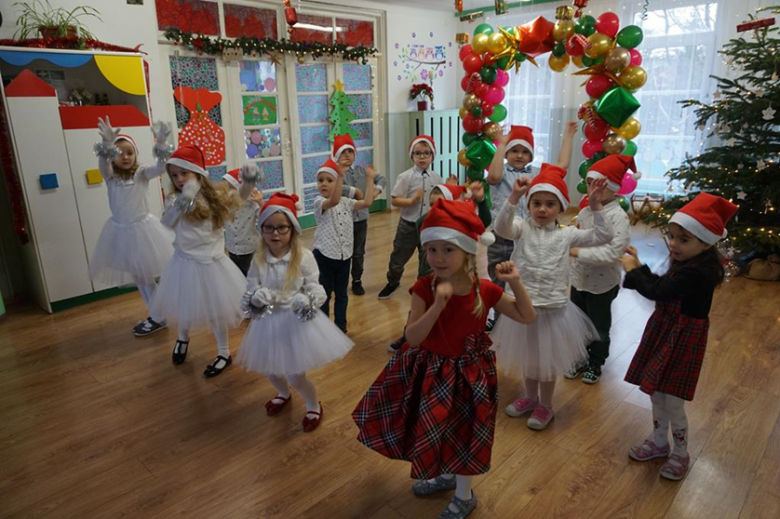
x=161 y=132
x=507 y=272
x=477 y=190
x=370 y=172
x=571 y=128
x=256 y=196
x=191 y=189
x=443 y=294
x=107 y=133
x=503 y=139
x=596 y=193
x=630 y=260
x=452 y=180
x=249 y=172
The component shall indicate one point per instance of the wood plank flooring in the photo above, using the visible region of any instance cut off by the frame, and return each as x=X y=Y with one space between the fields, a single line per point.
x=98 y=424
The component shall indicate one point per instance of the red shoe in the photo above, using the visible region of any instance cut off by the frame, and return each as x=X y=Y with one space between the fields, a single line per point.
x=272 y=408
x=309 y=424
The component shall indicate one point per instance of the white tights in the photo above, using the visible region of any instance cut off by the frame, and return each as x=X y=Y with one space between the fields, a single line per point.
x=670 y=410
x=533 y=388
x=220 y=332
x=301 y=384
x=147 y=294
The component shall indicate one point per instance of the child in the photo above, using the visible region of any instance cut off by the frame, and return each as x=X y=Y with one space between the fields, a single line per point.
x=333 y=238
x=355 y=186
x=200 y=286
x=411 y=193
x=556 y=341
x=595 y=272
x=435 y=403
x=288 y=335
x=667 y=362
x=242 y=236
x=133 y=246
x=517 y=147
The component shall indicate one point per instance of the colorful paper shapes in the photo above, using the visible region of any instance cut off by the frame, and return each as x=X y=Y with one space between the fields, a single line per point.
x=93 y=177
x=22 y=58
x=124 y=72
x=49 y=181
x=27 y=84
x=85 y=117
x=616 y=106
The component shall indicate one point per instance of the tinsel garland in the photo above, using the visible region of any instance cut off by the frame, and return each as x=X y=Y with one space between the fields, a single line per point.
x=68 y=43
x=256 y=46
x=251 y=311
x=163 y=153
x=106 y=150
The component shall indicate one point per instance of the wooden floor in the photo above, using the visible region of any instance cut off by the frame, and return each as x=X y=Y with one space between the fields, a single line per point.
x=96 y=423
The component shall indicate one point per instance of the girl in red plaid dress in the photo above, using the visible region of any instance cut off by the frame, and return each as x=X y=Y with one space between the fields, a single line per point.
x=434 y=404
x=668 y=360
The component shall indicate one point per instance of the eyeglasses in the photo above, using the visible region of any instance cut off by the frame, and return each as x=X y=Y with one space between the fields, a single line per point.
x=270 y=229
x=422 y=154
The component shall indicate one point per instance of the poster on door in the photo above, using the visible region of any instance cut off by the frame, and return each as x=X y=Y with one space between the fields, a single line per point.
x=259 y=110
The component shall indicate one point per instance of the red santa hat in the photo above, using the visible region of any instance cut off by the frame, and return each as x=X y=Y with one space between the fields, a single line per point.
x=451 y=191
x=521 y=136
x=232 y=177
x=125 y=137
x=341 y=143
x=427 y=139
x=281 y=203
x=189 y=158
x=456 y=223
x=705 y=217
x=329 y=167
x=613 y=168
x=551 y=179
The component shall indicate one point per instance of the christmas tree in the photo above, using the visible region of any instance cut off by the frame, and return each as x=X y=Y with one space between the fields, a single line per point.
x=744 y=164
x=340 y=117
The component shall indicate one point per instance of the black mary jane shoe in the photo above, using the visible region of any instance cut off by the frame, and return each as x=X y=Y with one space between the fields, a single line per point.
x=178 y=357
x=212 y=370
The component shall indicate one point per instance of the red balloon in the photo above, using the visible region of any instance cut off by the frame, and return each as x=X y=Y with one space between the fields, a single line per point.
x=487 y=108
x=481 y=89
x=472 y=63
x=584 y=202
x=636 y=57
x=597 y=131
x=464 y=83
x=489 y=59
x=589 y=148
x=598 y=85
x=464 y=51
x=573 y=48
x=472 y=124
x=608 y=23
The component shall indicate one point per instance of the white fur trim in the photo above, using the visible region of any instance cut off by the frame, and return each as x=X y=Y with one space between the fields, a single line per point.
x=637 y=175
x=448 y=234
x=341 y=150
x=595 y=175
x=418 y=141
x=299 y=205
x=548 y=188
x=123 y=137
x=189 y=166
x=693 y=226
x=329 y=171
x=525 y=144
x=231 y=180
x=444 y=191
x=271 y=210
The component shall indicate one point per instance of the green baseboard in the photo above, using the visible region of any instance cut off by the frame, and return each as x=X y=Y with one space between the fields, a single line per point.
x=65 y=304
x=308 y=220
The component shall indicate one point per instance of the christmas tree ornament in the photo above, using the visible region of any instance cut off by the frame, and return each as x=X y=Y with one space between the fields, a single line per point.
x=501 y=6
x=580 y=5
x=290 y=16
x=459 y=6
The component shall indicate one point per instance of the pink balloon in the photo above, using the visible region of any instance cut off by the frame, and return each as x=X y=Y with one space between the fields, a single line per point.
x=584 y=202
x=502 y=78
x=270 y=84
x=608 y=23
x=495 y=94
x=598 y=85
x=590 y=148
x=636 y=57
x=628 y=185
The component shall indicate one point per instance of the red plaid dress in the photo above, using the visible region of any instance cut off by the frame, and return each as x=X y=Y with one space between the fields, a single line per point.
x=671 y=352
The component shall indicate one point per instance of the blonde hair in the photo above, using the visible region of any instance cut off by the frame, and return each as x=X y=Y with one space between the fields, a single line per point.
x=296 y=254
x=215 y=202
x=469 y=269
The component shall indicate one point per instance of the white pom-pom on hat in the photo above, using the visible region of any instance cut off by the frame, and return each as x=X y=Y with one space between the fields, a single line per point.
x=487 y=238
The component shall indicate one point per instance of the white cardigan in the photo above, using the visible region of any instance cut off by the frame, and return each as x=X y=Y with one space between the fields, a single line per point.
x=272 y=272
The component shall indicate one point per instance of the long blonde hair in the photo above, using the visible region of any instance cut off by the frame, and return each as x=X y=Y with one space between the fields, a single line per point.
x=216 y=202
x=294 y=270
x=469 y=269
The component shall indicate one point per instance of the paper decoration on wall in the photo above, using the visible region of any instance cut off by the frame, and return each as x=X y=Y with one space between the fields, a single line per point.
x=27 y=84
x=259 y=110
x=124 y=72
x=49 y=181
x=232 y=54
x=422 y=60
x=340 y=117
x=93 y=177
x=201 y=130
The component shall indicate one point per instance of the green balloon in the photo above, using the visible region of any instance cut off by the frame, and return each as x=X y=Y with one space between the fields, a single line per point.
x=559 y=50
x=476 y=111
x=585 y=25
x=473 y=173
x=582 y=187
x=480 y=153
x=624 y=204
x=503 y=63
x=598 y=156
x=617 y=106
x=483 y=28
x=630 y=36
x=499 y=114
x=488 y=75
x=588 y=61
x=585 y=166
x=630 y=148
x=519 y=56
x=510 y=30
x=468 y=138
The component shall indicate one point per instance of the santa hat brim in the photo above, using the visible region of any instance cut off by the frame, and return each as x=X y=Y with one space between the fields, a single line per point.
x=595 y=175
x=123 y=137
x=341 y=150
x=270 y=210
x=693 y=226
x=444 y=191
x=231 y=180
x=465 y=242
x=189 y=166
x=520 y=142
x=417 y=141
x=548 y=188
x=330 y=171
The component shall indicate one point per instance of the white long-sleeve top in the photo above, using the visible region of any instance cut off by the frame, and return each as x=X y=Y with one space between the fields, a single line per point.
x=127 y=198
x=241 y=234
x=542 y=252
x=271 y=274
x=597 y=269
x=199 y=240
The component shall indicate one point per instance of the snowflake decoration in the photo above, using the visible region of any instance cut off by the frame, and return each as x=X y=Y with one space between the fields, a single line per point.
x=725 y=128
x=741 y=195
x=716 y=94
x=769 y=113
x=774 y=77
x=760 y=165
x=740 y=166
x=732 y=141
x=760 y=92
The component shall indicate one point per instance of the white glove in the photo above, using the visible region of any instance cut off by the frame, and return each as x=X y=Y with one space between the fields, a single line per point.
x=191 y=189
x=161 y=132
x=250 y=173
x=106 y=132
x=262 y=297
x=299 y=302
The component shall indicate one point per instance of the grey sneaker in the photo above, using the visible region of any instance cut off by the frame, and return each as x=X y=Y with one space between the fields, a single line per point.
x=464 y=507
x=575 y=371
x=424 y=487
x=591 y=375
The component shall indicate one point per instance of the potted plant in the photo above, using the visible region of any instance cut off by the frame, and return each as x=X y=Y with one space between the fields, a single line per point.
x=420 y=91
x=40 y=17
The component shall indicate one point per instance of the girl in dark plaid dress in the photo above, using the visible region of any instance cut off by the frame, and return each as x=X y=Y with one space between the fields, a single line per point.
x=668 y=360
x=434 y=404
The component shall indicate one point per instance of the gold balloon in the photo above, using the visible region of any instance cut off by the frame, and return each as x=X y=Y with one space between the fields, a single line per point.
x=559 y=64
x=614 y=144
x=577 y=60
x=633 y=78
x=563 y=29
x=463 y=112
x=630 y=129
x=496 y=42
x=617 y=59
x=470 y=101
x=599 y=45
x=492 y=130
x=480 y=43
x=462 y=158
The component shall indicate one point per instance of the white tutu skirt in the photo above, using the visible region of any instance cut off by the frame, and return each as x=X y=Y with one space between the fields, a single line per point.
x=543 y=350
x=132 y=253
x=282 y=344
x=197 y=295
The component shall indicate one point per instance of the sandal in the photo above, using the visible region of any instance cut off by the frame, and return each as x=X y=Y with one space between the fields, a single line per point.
x=212 y=370
x=426 y=487
x=465 y=507
x=309 y=424
x=676 y=467
x=178 y=357
x=272 y=408
x=648 y=451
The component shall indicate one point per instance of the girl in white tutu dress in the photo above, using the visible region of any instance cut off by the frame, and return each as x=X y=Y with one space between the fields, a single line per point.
x=556 y=341
x=289 y=334
x=200 y=287
x=133 y=246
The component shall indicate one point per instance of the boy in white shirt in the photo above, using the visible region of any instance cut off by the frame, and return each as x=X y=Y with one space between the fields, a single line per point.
x=242 y=238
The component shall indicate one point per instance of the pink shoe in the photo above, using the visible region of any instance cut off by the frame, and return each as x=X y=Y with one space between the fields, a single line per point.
x=676 y=467
x=648 y=451
x=540 y=418
x=520 y=407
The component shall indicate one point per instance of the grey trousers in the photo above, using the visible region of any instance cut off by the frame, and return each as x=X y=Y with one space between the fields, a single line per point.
x=405 y=242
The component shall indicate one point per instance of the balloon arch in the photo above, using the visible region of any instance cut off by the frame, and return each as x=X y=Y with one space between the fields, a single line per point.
x=598 y=47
